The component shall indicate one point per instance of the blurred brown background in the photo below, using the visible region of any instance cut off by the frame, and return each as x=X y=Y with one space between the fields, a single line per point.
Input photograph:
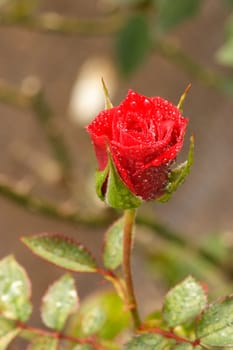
x=203 y=204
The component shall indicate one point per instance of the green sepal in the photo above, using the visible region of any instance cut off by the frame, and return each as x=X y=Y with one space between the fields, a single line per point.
x=108 y=102
x=100 y=178
x=118 y=194
x=178 y=175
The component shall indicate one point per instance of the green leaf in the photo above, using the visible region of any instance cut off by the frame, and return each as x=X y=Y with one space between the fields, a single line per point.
x=215 y=326
x=127 y=2
x=184 y=302
x=61 y=251
x=184 y=346
x=118 y=194
x=8 y=332
x=83 y=347
x=7 y=338
x=225 y=52
x=229 y=27
x=229 y=3
x=178 y=175
x=59 y=302
x=103 y=314
x=133 y=44
x=215 y=246
x=224 y=55
x=172 y=13
x=43 y=343
x=113 y=247
x=6 y=326
x=15 y=290
x=146 y=341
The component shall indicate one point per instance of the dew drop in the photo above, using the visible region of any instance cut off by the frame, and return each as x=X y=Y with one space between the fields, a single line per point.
x=133 y=104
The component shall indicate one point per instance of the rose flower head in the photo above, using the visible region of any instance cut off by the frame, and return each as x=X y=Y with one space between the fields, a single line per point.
x=136 y=144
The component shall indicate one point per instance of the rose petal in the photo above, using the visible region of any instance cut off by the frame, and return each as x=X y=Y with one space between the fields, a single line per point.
x=100 y=146
x=150 y=184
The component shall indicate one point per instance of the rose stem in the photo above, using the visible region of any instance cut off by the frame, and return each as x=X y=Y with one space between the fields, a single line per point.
x=129 y=217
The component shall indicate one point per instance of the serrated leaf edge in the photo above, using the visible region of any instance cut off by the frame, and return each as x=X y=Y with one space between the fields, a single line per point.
x=24 y=239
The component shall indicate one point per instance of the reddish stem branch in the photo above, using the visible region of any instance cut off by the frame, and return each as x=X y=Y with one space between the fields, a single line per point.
x=110 y=276
x=171 y=335
x=58 y=335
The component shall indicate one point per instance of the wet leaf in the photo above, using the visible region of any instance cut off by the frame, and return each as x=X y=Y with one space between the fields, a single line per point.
x=83 y=347
x=60 y=301
x=215 y=326
x=15 y=290
x=43 y=343
x=184 y=346
x=133 y=44
x=8 y=332
x=7 y=338
x=184 y=302
x=61 y=251
x=113 y=247
x=146 y=341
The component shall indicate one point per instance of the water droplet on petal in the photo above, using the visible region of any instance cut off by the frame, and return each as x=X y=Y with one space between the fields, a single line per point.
x=133 y=104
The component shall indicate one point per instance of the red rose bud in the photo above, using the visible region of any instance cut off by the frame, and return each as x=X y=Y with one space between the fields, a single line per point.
x=135 y=144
